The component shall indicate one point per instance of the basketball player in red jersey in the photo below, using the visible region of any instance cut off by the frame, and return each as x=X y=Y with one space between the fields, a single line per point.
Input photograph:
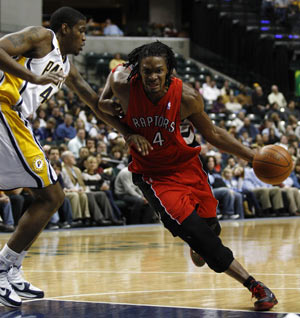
x=169 y=172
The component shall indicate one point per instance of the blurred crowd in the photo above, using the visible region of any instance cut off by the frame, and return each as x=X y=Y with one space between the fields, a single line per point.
x=110 y=28
x=282 y=12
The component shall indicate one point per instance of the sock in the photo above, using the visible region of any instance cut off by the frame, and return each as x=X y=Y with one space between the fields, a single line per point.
x=7 y=257
x=248 y=282
x=19 y=261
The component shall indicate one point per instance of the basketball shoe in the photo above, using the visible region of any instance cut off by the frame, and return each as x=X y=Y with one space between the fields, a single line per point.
x=197 y=259
x=265 y=298
x=8 y=296
x=23 y=288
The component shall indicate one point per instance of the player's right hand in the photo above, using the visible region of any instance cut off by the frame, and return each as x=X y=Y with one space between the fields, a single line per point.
x=49 y=78
x=140 y=143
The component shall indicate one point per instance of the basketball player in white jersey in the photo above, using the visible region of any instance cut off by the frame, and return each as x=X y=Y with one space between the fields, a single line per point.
x=33 y=66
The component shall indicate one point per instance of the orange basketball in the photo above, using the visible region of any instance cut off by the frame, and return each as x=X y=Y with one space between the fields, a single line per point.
x=272 y=164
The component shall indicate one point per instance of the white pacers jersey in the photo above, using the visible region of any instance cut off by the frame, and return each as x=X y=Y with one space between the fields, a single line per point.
x=23 y=162
x=26 y=96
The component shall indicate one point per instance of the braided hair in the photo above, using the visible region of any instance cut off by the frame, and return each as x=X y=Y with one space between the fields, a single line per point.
x=152 y=49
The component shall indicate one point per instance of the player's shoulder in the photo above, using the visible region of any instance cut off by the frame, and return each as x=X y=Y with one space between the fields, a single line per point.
x=38 y=32
x=189 y=93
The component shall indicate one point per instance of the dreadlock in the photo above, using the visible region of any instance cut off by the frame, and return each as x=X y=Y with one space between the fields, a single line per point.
x=152 y=49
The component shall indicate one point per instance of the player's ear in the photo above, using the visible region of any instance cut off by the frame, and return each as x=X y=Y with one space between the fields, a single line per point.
x=64 y=28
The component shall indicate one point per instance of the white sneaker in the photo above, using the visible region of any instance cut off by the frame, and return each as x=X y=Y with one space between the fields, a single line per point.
x=8 y=296
x=23 y=288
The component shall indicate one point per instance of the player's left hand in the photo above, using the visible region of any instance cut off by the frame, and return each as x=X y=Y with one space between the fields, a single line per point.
x=140 y=143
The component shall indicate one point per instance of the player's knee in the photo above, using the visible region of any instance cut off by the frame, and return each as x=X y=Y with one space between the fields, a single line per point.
x=220 y=260
x=53 y=197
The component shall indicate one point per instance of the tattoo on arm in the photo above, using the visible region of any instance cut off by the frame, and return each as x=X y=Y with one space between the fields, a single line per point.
x=34 y=34
x=17 y=40
x=20 y=38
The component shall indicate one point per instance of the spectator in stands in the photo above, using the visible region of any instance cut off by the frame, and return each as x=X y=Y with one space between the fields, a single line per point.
x=226 y=91
x=91 y=145
x=274 y=109
x=231 y=162
x=253 y=206
x=93 y=28
x=140 y=211
x=245 y=138
x=95 y=183
x=218 y=106
x=71 y=99
x=77 y=142
x=258 y=142
x=57 y=114
x=112 y=29
x=269 y=128
x=249 y=128
x=65 y=212
x=84 y=153
x=292 y=109
x=238 y=196
x=98 y=205
x=115 y=61
x=296 y=173
x=244 y=97
x=278 y=122
x=259 y=101
x=36 y=129
x=292 y=193
x=41 y=115
x=54 y=154
x=267 y=8
x=170 y=30
x=238 y=120
x=66 y=131
x=233 y=106
x=6 y=214
x=283 y=142
x=102 y=148
x=17 y=203
x=74 y=189
x=210 y=92
x=221 y=192
x=79 y=124
x=269 y=197
x=48 y=131
x=276 y=97
x=281 y=11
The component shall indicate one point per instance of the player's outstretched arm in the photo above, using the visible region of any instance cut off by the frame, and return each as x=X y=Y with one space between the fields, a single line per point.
x=31 y=41
x=117 y=85
x=193 y=109
x=78 y=84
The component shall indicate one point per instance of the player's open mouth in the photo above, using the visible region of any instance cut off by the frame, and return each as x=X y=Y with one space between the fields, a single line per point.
x=153 y=85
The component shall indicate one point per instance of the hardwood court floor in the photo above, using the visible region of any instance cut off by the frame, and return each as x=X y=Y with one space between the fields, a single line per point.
x=145 y=265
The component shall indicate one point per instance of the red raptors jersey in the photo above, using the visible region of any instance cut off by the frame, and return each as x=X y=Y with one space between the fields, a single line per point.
x=160 y=125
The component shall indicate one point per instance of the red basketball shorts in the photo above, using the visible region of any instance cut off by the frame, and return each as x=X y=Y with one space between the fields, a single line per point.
x=184 y=191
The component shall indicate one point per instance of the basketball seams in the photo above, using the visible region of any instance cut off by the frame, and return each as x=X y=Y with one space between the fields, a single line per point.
x=272 y=163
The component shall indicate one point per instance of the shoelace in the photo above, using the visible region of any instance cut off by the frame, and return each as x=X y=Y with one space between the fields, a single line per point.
x=258 y=291
x=15 y=275
x=4 y=283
